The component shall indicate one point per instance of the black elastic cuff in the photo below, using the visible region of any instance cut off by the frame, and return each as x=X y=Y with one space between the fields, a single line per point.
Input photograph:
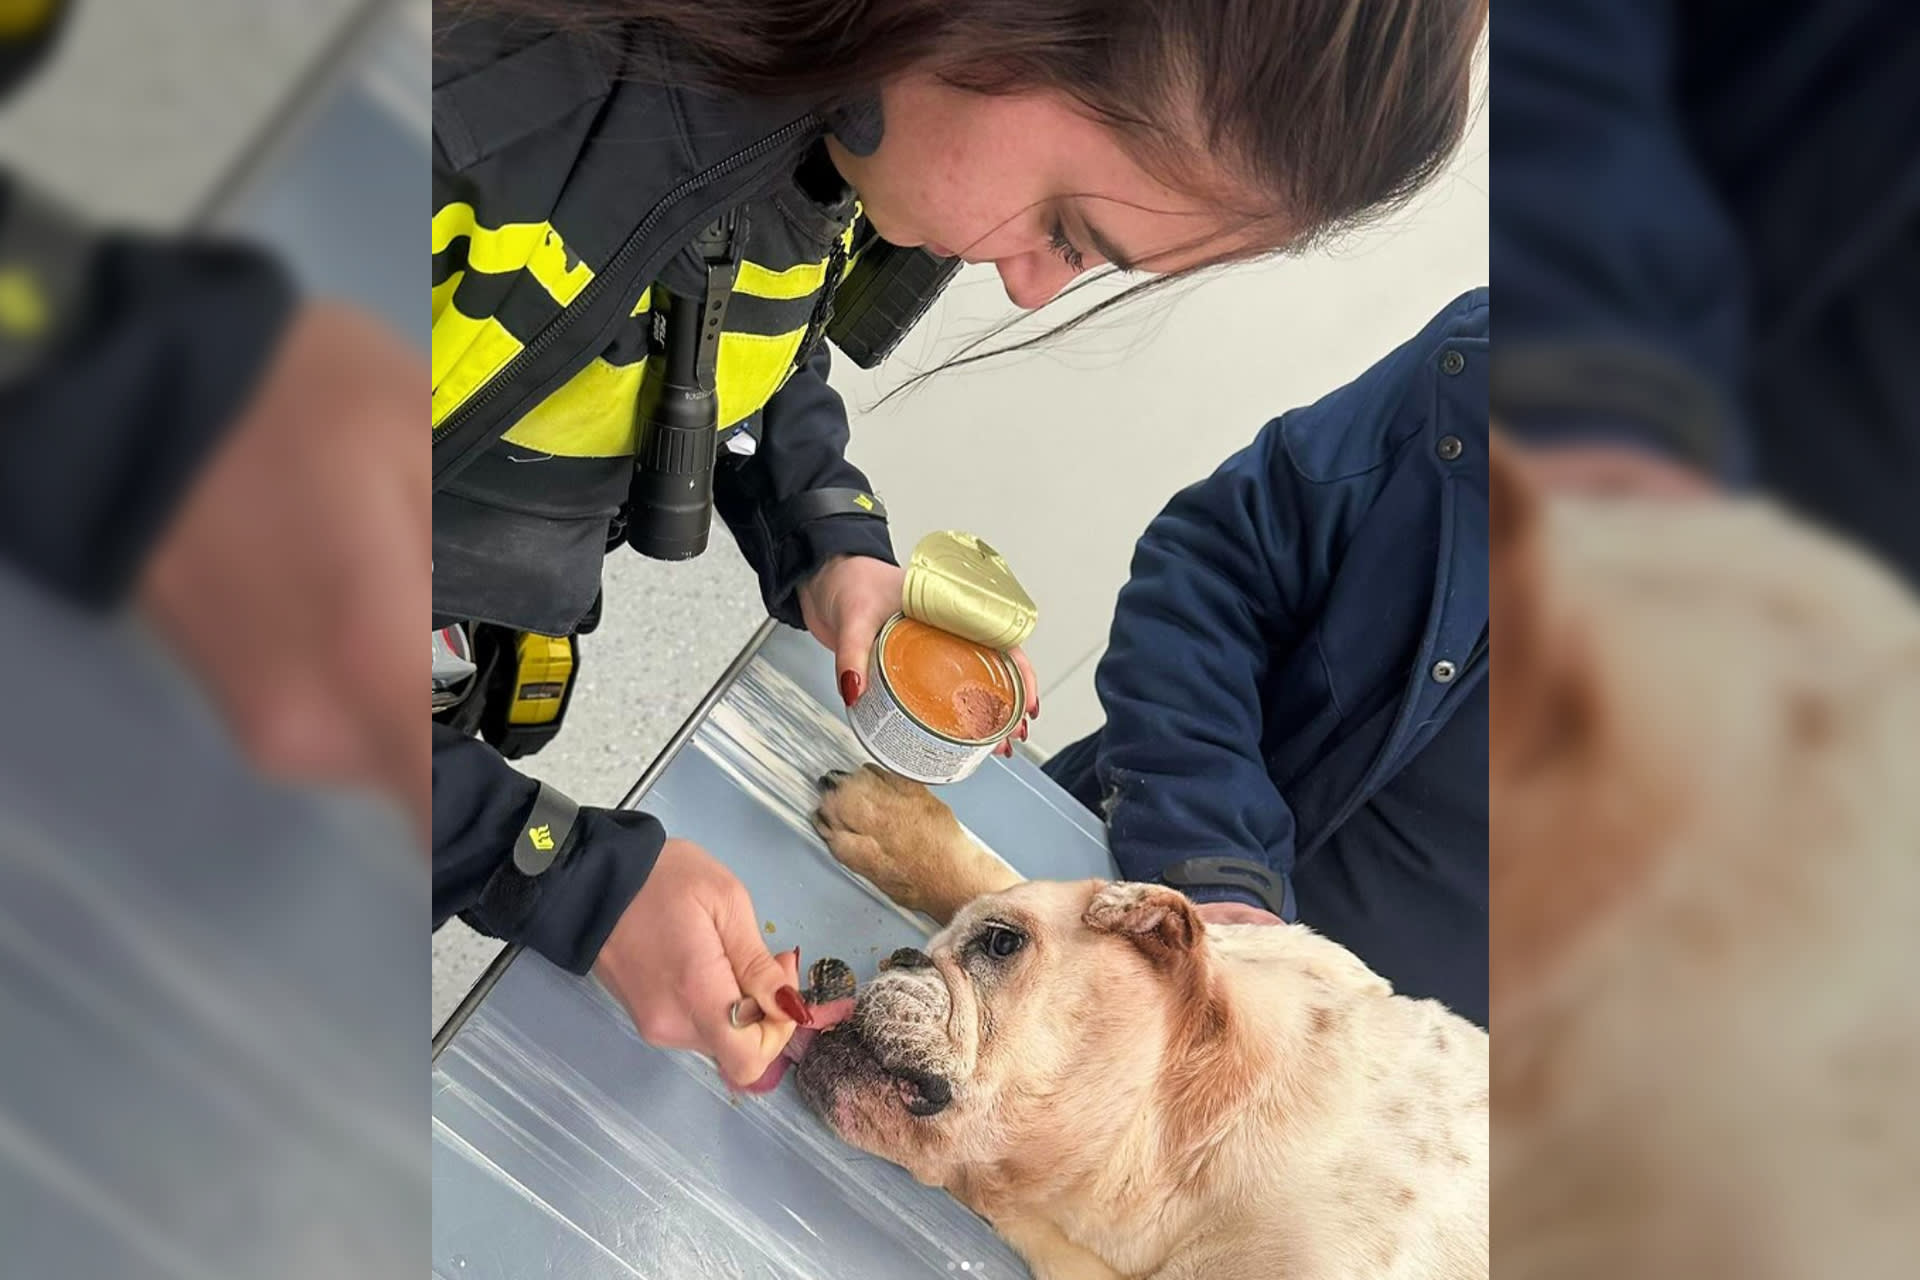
x=120 y=422
x=800 y=555
x=1234 y=879
x=566 y=912
x=1563 y=392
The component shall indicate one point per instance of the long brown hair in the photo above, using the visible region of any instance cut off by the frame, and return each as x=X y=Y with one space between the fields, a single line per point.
x=1327 y=112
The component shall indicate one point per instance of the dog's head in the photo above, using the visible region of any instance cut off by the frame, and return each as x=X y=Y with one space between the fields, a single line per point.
x=1018 y=1046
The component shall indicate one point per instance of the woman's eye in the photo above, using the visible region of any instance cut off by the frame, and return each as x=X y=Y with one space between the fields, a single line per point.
x=1002 y=943
x=1058 y=242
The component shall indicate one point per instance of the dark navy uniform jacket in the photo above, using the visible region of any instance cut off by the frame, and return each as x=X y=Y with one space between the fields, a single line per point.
x=1297 y=671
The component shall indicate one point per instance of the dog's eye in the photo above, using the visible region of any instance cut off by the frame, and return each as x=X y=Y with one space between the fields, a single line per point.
x=1001 y=943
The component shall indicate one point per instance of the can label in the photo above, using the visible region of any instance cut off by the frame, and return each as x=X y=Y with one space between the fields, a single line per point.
x=892 y=738
x=909 y=746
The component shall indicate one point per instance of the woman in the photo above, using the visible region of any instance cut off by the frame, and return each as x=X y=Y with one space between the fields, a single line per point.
x=593 y=158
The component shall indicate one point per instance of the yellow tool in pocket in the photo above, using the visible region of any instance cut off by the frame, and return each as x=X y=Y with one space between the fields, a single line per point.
x=542 y=675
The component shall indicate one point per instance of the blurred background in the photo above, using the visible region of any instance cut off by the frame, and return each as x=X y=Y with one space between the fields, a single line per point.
x=1706 y=244
x=211 y=997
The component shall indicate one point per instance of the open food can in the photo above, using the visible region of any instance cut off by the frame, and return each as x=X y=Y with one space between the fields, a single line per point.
x=935 y=704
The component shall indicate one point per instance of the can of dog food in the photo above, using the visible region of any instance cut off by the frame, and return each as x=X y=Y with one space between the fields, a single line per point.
x=936 y=704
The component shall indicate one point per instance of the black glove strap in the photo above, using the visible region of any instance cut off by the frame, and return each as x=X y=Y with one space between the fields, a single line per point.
x=46 y=257
x=1263 y=883
x=1619 y=381
x=818 y=504
x=543 y=843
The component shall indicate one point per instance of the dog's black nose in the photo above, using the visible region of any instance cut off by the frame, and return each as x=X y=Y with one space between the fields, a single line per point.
x=907 y=958
x=924 y=1093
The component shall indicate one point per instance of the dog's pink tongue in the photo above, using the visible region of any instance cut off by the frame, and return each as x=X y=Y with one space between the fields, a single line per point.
x=825 y=1017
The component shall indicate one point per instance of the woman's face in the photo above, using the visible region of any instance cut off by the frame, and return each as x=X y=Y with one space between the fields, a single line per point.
x=1026 y=182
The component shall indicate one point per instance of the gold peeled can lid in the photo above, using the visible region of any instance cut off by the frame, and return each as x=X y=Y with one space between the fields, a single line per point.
x=961 y=585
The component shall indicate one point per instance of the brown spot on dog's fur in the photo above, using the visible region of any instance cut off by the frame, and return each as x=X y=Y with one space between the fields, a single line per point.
x=1402 y=1196
x=1322 y=1020
x=1423 y=1148
x=1384 y=1251
x=1440 y=1042
x=1810 y=720
x=1210 y=1074
x=1211 y=1069
x=1549 y=730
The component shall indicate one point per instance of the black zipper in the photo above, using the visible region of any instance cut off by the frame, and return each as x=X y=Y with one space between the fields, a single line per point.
x=598 y=287
x=823 y=305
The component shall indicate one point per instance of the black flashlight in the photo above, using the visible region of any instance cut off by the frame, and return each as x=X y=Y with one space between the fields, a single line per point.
x=670 y=503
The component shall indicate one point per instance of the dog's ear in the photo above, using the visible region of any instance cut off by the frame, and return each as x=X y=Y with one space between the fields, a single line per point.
x=1158 y=920
x=1540 y=696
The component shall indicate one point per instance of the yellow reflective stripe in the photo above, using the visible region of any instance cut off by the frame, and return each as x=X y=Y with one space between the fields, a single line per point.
x=25 y=310
x=443 y=293
x=534 y=246
x=592 y=416
x=795 y=282
x=846 y=245
x=646 y=300
x=22 y=18
x=751 y=367
x=466 y=353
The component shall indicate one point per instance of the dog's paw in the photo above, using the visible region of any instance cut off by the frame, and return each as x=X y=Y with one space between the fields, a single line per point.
x=887 y=829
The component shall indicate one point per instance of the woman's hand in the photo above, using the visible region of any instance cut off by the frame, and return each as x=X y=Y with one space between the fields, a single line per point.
x=1234 y=913
x=1611 y=471
x=847 y=602
x=685 y=950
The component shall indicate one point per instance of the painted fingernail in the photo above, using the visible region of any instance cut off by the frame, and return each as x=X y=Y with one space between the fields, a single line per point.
x=1023 y=731
x=1035 y=713
x=790 y=1004
x=849 y=687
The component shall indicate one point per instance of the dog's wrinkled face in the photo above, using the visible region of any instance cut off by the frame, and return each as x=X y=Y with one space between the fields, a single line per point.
x=1035 y=1008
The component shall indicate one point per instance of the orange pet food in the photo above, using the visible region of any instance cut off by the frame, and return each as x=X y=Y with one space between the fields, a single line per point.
x=954 y=686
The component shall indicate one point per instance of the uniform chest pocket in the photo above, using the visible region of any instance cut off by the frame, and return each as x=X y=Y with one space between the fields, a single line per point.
x=523 y=93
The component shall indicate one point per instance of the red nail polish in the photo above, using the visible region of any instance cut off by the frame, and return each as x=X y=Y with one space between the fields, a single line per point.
x=1023 y=731
x=790 y=1004
x=1036 y=708
x=849 y=687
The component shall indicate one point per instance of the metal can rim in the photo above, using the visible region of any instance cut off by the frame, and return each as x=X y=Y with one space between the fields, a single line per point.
x=1007 y=664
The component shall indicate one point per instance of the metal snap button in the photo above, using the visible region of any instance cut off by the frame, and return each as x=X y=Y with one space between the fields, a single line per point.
x=1452 y=362
x=1444 y=671
x=1449 y=447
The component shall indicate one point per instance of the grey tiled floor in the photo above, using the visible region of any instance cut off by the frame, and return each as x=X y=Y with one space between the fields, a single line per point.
x=144 y=106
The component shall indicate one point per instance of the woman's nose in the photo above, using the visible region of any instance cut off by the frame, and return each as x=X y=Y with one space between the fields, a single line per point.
x=1032 y=279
